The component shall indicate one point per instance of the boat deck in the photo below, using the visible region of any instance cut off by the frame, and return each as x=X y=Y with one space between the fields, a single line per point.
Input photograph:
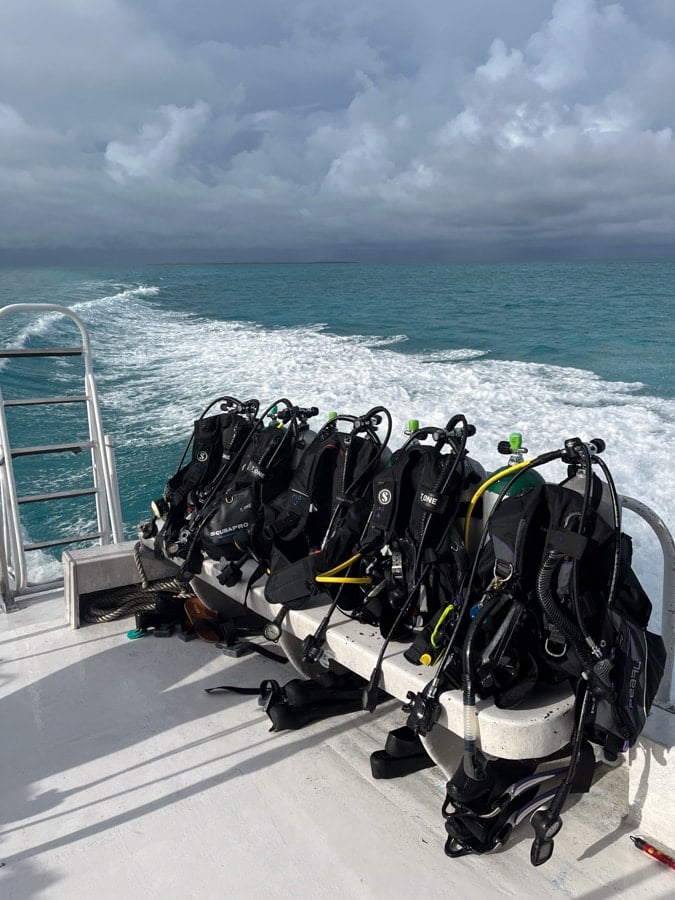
x=121 y=777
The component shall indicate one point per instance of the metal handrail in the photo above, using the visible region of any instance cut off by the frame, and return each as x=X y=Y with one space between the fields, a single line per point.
x=659 y=528
x=105 y=490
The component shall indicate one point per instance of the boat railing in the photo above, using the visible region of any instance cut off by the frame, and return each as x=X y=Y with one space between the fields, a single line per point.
x=14 y=576
x=663 y=697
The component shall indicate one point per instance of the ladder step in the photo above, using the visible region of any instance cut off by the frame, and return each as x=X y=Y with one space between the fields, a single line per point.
x=59 y=542
x=52 y=448
x=42 y=351
x=59 y=495
x=35 y=401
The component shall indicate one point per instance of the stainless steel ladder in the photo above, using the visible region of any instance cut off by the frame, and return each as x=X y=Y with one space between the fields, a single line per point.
x=14 y=579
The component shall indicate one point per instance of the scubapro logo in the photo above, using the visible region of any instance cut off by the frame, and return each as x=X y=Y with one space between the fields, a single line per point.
x=221 y=531
x=202 y=456
x=384 y=496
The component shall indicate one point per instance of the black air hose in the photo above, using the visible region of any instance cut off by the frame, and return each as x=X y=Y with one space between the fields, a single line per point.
x=616 y=513
x=448 y=469
x=556 y=616
x=487 y=609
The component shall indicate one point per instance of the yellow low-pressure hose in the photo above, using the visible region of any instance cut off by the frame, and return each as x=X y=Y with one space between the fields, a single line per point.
x=332 y=576
x=509 y=470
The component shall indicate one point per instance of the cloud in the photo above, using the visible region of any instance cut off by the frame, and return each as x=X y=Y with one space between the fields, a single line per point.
x=159 y=145
x=306 y=129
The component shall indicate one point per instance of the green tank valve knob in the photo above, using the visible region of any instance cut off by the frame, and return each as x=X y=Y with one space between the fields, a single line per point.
x=413 y=425
x=332 y=415
x=515 y=441
x=273 y=411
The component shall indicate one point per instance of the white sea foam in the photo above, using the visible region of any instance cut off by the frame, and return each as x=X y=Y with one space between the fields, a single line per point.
x=158 y=369
x=55 y=325
x=18 y=339
x=126 y=292
x=42 y=568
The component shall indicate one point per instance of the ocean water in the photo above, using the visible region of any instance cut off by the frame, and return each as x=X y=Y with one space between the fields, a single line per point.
x=550 y=350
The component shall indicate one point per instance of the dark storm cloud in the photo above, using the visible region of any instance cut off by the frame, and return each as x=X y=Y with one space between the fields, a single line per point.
x=298 y=129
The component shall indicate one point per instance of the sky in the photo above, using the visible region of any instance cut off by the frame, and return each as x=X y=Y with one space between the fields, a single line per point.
x=442 y=130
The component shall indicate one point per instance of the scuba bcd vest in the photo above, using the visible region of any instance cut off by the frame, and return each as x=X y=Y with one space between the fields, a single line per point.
x=413 y=546
x=317 y=522
x=215 y=442
x=229 y=526
x=264 y=471
x=555 y=599
x=562 y=602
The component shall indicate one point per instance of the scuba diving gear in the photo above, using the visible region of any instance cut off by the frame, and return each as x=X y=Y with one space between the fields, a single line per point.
x=229 y=523
x=481 y=814
x=492 y=486
x=316 y=524
x=403 y=754
x=263 y=472
x=302 y=701
x=412 y=545
x=559 y=602
x=546 y=596
x=216 y=440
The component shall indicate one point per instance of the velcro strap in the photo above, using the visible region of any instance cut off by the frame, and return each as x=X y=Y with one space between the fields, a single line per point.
x=567 y=542
x=342 y=500
x=285 y=523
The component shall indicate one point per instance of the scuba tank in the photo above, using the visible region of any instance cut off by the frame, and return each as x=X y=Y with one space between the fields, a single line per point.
x=491 y=487
x=577 y=479
x=529 y=479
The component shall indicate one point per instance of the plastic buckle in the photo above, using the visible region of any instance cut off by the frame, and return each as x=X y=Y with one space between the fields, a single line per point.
x=397 y=564
x=230 y=575
x=236 y=649
x=554 y=648
x=424 y=712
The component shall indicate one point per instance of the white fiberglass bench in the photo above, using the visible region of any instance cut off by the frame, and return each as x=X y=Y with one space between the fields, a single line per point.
x=537 y=729
x=540 y=726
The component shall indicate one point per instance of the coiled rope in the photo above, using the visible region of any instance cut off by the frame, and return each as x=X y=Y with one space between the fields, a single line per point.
x=117 y=603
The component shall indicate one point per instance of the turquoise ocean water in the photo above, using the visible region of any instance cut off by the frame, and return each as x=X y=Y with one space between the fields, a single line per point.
x=551 y=350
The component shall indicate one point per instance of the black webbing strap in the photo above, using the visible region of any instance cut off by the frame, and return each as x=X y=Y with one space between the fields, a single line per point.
x=267 y=687
x=263 y=651
x=234 y=689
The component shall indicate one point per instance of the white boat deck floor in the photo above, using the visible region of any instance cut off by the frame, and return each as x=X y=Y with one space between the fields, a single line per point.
x=122 y=778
